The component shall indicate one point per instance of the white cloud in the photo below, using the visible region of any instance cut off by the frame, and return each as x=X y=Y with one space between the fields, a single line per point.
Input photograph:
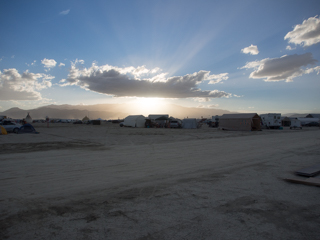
x=208 y=106
x=125 y=82
x=290 y=48
x=305 y=34
x=311 y=70
x=284 y=68
x=32 y=64
x=252 y=49
x=12 y=56
x=213 y=105
x=213 y=79
x=161 y=77
x=201 y=99
x=25 y=86
x=49 y=63
x=65 y=12
x=61 y=64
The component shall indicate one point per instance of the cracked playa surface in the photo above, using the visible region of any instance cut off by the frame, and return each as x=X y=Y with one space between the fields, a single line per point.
x=118 y=183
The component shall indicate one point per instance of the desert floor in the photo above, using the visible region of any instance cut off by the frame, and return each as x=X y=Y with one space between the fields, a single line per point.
x=106 y=182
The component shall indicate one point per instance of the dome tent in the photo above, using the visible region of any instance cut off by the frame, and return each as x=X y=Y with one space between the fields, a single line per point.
x=134 y=121
x=3 y=131
x=27 y=128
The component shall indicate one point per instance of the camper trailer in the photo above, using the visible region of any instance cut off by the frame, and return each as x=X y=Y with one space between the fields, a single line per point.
x=271 y=120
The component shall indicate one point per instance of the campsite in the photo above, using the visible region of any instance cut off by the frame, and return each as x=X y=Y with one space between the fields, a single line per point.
x=160 y=120
x=78 y=181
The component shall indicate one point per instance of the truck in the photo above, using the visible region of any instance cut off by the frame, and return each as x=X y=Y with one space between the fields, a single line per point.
x=271 y=120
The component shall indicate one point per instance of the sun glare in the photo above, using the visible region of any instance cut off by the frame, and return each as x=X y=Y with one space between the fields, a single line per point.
x=149 y=105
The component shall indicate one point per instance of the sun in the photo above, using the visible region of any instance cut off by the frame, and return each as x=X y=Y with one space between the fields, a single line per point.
x=148 y=102
x=147 y=106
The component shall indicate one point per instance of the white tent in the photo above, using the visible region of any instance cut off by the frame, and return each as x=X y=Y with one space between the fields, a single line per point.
x=305 y=121
x=295 y=123
x=134 y=121
x=28 y=119
x=189 y=123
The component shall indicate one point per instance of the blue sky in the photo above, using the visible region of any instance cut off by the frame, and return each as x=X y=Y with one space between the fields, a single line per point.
x=244 y=56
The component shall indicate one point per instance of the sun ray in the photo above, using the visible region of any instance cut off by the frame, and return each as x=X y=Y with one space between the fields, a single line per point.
x=148 y=106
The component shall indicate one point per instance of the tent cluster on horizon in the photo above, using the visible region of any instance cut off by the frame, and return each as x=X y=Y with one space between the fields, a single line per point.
x=233 y=122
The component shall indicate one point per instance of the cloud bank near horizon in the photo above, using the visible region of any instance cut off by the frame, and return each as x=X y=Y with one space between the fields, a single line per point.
x=284 y=68
x=142 y=82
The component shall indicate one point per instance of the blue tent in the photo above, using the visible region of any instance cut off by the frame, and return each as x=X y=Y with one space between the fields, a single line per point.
x=27 y=128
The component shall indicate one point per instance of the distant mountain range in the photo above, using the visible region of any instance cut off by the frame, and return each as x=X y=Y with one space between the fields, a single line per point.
x=113 y=111
x=106 y=111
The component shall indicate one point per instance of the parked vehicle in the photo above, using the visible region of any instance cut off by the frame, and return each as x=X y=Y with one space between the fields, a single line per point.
x=312 y=124
x=10 y=126
x=64 y=121
x=214 y=122
x=175 y=124
x=77 y=122
x=271 y=120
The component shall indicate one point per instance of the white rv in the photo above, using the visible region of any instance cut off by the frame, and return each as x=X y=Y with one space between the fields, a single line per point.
x=271 y=120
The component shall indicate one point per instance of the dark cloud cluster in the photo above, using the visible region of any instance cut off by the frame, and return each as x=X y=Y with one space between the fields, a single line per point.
x=117 y=82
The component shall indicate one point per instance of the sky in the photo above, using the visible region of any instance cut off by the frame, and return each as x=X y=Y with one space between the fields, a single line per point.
x=242 y=56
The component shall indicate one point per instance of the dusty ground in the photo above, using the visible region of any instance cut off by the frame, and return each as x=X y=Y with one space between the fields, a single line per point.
x=107 y=182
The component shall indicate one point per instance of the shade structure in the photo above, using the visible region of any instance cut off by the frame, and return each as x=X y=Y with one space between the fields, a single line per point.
x=240 y=122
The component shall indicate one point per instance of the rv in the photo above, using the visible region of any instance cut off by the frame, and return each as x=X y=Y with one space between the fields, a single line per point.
x=271 y=120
